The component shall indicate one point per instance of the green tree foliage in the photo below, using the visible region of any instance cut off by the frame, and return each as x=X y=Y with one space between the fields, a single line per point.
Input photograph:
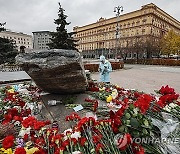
x=151 y=48
x=2 y=27
x=170 y=43
x=7 y=49
x=61 y=39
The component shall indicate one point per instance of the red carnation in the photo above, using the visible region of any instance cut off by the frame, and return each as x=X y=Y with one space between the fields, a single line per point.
x=66 y=143
x=28 y=122
x=137 y=149
x=97 y=138
x=82 y=141
x=40 y=151
x=166 y=90
x=8 y=142
x=99 y=147
x=20 y=150
x=25 y=137
x=95 y=105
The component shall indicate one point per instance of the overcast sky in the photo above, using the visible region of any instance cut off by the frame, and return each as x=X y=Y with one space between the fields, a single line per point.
x=34 y=15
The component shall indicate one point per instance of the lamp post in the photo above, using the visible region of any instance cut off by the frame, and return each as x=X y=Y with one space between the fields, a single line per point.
x=118 y=10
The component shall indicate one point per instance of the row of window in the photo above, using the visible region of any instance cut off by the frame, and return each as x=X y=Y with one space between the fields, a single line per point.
x=113 y=36
x=21 y=42
x=44 y=41
x=110 y=44
x=41 y=35
x=44 y=47
x=113 y=27
x=14 y=38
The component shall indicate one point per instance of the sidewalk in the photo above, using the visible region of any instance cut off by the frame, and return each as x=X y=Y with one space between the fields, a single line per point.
x=9 y=77
x=145 y=78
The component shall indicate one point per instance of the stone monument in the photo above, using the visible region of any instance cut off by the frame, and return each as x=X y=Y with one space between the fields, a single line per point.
x=55 y=71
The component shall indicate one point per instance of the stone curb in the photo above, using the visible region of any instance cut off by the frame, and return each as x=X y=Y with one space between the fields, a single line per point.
x=13 y=81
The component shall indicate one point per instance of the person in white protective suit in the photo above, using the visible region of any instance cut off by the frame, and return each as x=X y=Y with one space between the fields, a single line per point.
x=104 y=69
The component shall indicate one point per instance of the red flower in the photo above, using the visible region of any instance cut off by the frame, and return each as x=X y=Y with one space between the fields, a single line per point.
x=20 y=150
x=143 y=102
x=82 y=141
x=129 y=138
x=74 y=141
x=99 y=147
x=124 y=141
x=96 y=138
x=73 y=116
x=28 y=122
x=88 y=100
x=66 y=143
x=166 y=90
x=58 y=150
x=112 y=114
x=137 y=149
x=95 y=105
x=40 y=141
x=40 y=151
x=38 y=125
x=25 y=137
x=84 y=122
x=21 y=103
x=17 y=118
x=94 y=89
x=117 y=121
x=8 y=142
x=136 y=94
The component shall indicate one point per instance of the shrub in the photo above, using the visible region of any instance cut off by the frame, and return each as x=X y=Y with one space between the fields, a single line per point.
x=94 y=67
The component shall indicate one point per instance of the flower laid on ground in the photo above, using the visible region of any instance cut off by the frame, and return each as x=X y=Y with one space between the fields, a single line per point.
x=127 y=116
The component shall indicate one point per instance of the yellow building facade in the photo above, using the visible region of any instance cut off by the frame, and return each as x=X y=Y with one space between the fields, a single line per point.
x=149 y=22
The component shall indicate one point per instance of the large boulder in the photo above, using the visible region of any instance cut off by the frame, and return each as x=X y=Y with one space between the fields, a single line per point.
x=55 y=71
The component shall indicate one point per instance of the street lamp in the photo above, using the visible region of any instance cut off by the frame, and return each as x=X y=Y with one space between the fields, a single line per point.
x=118 y=10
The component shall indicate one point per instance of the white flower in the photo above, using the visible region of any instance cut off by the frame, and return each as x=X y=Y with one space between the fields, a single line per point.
x=23 y=91
x=115 y=90
x=76 y=152
x=24 y=131
x=114 y=95
x=76 y=135
x=67 y=130
x=157 y=98
x=110 y=105
x=7 y=107
x=167 y=108
x=30 y=105
x=90 y=114
x=172 y=105
x=102 y=89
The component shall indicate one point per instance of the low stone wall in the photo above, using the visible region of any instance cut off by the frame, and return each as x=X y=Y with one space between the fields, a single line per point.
x=94 y=67
x=166 y=62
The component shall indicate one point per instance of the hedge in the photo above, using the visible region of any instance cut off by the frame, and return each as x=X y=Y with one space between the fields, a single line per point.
x=94 y=67
x=166 y=62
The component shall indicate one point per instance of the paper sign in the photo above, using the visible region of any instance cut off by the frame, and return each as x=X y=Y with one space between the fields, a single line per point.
x=78 y=108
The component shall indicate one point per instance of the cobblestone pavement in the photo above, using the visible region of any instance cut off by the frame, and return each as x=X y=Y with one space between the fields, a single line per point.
x=145 y=78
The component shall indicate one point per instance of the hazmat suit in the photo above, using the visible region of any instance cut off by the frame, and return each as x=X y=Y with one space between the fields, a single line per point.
x=104 y=69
